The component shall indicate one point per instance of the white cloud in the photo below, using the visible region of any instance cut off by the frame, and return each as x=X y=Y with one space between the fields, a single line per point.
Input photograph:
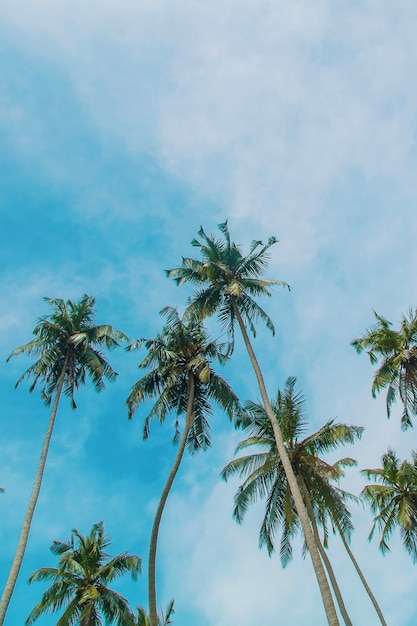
x=284 y=97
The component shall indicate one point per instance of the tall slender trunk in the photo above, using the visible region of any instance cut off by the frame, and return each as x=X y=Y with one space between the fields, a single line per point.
x=323 y=552
x=362 y=577
x=292 y=481
x=27 y=522
x=153 y=611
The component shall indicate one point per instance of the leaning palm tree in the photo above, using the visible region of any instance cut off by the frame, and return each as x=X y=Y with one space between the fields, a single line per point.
x=68 y=346
x=227 y=284
x=183 y=381
x=80 y=582
x=397 y=352
x=394 y=500
x=265 y=478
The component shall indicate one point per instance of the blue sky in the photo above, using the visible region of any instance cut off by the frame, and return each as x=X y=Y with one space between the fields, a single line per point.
x=124 y=126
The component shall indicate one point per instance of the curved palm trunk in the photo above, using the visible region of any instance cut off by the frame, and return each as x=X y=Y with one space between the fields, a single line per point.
x=27 y=522
x=323 y=553
x=363 y=579
x=292 y=481
x=153 y=611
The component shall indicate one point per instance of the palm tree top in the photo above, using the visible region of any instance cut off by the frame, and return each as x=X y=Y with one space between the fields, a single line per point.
x=182 y=349
x=69 y=339
x=225 y=275
x=80 y=582
x=289 y=406
x=394 y=500
x=396 y=351
x=263 y=473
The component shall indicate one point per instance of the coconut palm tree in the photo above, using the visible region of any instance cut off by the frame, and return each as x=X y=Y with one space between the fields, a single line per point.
x=68 y=345
x=228 y=283
x=396 y=352
x=80 y=582
x=265 y=478
x=394 y=499
x=183 y=381
x=264 y=475
x=164 y=619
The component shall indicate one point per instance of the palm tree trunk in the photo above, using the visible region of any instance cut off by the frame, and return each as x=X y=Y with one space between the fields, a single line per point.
x=363 y=579
x=323 y=553
x=88 y=620
x=153 y=611
x=27 y=522
x=292 y=481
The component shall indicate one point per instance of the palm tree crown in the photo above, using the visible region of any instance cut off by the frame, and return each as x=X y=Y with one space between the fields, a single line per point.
x=69 y=339
x=80 y=582
x=397 y=352
x=265 y=477
x=226 y=277
x=394 y=499
x=180 y=351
